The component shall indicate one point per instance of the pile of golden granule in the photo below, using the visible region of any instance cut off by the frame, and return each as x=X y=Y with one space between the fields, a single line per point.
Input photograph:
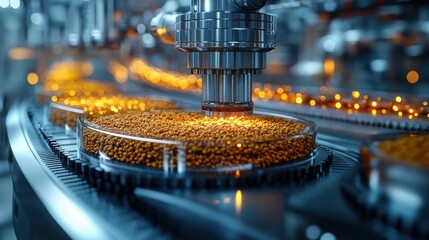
x=66 y=111
x=84 y=88
x=200 y=141
x=412 y=149
x=68 y=79
x=67 y=70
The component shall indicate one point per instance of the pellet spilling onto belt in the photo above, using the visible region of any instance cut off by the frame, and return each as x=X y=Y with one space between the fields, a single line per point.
x=66 y=111
x=205 y=142
x=412 y=149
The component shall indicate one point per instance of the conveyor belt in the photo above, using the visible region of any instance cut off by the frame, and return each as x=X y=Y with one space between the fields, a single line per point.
x=78 y=208
x=114 y=205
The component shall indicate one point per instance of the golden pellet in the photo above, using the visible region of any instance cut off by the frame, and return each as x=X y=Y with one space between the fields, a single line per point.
x=66 y=111
x=205 y=142
x=74 y=89
x=412 y=149
x=67 y=78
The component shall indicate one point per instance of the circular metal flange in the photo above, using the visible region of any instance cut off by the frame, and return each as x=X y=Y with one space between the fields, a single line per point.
x=211 y=31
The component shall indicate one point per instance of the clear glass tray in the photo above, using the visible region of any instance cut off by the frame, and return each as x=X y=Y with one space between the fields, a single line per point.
x=182 y=141
x=394 y=173
x=401 y=149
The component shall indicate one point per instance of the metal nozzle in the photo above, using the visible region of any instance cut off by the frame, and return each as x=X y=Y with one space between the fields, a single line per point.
x=226 y=42
x=226 y=93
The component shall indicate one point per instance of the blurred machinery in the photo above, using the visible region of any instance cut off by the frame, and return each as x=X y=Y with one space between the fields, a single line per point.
x=355 y=68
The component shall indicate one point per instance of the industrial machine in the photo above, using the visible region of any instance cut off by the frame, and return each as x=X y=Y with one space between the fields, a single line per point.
x=351 y=73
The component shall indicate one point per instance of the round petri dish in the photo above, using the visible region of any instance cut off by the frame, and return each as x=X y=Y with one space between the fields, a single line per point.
x=408 y=148
x=405 y=150
x=390 y=187
x=65 y=111
x=185 y=141
x=394 y=174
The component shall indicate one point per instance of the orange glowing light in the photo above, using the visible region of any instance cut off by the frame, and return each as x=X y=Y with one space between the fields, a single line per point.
x=412 y=76
x=411 y=110
x=278 y=92
x=237 y=173
x=349 y=111
x=410 y=117
x=337 y=97
x=356 y=106
x=239 y=145
x=55 y=87
x=192 y=79
x=166 y=78
x=183 y=84
x=20 y=53
x=338 y=105
x=32 y=78
x=256 y=90
x=72 y=93
x=400 y=114
x=373 y=112
x=161 y=31
x=238 y=201
x=87 y=68
x=398 y=99
x=329 y=66
x=119 y=72
x=416 y=114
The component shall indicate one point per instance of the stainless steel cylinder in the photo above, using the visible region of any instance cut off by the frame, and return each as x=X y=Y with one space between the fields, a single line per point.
x=226 y=92
x=226 y=42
